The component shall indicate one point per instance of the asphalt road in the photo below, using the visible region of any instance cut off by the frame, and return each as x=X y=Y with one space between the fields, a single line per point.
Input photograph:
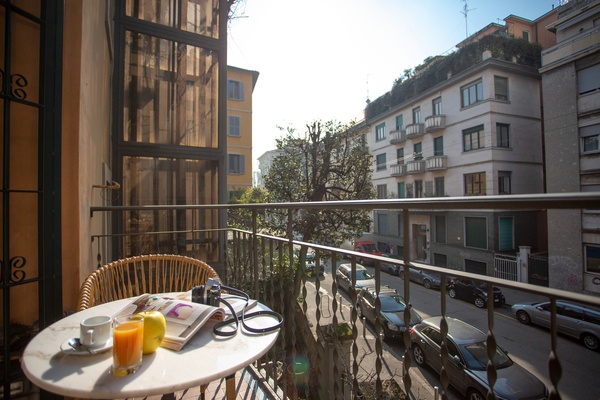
x=528 y=345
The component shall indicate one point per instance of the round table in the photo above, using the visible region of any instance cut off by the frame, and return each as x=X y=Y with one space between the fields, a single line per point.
x=203 y=359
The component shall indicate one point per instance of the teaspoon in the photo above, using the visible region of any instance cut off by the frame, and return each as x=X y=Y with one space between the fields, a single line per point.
x=76 y=344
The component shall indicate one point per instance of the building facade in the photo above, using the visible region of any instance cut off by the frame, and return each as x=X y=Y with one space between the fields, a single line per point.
x=476 y=133
x=240 y=85
x=571 y=99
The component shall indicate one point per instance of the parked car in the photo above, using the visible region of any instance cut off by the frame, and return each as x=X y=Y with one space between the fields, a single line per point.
x=344 y=277
x=467 y=361
x=475 y=291
x=576 y=320
x=391 y=312
x=389 y=267
x=431 y=280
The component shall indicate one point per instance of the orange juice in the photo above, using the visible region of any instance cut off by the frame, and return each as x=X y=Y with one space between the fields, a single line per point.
x=128 y=338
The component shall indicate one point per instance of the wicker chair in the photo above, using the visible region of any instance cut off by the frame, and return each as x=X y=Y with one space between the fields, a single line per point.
x=133 y=276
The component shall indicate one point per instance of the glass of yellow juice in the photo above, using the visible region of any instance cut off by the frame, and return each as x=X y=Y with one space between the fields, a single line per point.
x=128 y=338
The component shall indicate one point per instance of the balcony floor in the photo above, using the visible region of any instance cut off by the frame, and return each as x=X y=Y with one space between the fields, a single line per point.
x=246 y=385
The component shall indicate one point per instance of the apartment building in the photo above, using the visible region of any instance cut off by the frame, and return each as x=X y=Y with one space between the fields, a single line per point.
x=571 y=99
x=476 y=133
x=240 y=85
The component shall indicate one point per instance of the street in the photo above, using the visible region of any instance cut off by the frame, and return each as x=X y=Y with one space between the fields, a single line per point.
x=528 y=345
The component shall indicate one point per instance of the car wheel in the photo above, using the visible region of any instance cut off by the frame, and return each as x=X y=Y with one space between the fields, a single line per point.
x=590 y=341
x=479 y=302
x=452 y=292
x=473 y=394
x=427 y=284
x=523 y=317
x=418 y=355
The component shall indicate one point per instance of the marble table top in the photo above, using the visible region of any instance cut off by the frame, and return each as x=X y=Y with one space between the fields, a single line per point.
x=203 y=359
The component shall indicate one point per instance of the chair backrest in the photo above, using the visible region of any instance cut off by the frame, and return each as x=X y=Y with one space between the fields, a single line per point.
x=133 y=276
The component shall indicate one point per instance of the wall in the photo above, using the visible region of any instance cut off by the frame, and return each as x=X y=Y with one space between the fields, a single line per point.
x=85 y=137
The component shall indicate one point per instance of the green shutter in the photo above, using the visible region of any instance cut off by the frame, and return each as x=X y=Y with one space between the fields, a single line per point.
x=505 y=233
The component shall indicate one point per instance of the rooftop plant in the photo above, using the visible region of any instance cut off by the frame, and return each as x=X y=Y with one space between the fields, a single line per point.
x=436 y=69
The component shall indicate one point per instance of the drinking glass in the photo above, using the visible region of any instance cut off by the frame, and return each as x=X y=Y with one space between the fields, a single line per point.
x=128 y=338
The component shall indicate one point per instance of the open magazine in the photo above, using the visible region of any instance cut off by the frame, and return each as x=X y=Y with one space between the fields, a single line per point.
x=184 y=318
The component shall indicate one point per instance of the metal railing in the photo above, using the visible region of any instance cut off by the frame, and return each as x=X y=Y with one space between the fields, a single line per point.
x=312 y=344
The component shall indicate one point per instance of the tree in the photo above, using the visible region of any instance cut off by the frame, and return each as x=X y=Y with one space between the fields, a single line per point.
x=242 y=218
x=330 y=161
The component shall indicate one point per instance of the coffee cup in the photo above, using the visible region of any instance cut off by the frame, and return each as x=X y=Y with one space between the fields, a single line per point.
x=95 y=331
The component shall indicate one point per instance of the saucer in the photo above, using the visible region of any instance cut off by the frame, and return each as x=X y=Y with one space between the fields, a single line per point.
x=83 y=351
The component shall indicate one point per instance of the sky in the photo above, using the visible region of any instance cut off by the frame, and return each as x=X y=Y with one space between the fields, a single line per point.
x=322 y=59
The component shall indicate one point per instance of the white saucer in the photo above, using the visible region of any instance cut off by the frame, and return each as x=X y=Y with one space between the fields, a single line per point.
x=84 y=352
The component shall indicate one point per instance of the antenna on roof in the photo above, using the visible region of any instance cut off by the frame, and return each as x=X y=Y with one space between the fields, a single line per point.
x=465 y=11
x=368 y=101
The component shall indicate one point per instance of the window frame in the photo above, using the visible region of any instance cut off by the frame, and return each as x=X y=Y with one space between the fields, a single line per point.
x=231 y=117
x=438 y=146
x=381 y=162
x=380 y=132
x=476 y=132
x=501 y=88
x=501 y=243
x=436 y=105
x=586 y=256
x=241 y=164
x=400 y=155
x=475 y=240
x=235 y=90
x=588 y=80
x=416 y=115
x=419 y=189
x=502 y=135
x=473 y=88
x=480 y=183
x=399 y=118
x=441 y=230
x=439 y=187
x=590 y=134
x=381 y=191
x=401 y=190
x=383 y=222
x=504 y=180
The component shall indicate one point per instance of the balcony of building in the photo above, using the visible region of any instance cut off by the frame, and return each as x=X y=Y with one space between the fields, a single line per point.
x=340 y=355
x=397 y=136
x=436 y=163
x=434 y=123
x=414 y=130
x=398 y=169
x=415 y=167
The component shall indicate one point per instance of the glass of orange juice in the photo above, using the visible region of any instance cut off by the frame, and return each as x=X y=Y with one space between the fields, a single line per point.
x=128 y=338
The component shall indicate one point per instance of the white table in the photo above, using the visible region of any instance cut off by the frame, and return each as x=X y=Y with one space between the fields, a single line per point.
x=205 y=358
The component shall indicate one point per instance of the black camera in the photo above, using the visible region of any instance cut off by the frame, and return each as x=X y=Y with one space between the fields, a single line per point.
x=209 y=294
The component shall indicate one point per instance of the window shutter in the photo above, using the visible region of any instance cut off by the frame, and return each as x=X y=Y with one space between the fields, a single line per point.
x=428 y=188
x=505 y=234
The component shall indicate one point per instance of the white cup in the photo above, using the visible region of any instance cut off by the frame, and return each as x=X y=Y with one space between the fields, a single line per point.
x=95 y=331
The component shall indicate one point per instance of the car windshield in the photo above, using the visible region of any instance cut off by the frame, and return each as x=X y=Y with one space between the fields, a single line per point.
x=362 y=275
x=392 y=303
x=476 y=357
x=369 y=247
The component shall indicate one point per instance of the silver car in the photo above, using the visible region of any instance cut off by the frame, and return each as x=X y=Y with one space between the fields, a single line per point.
x=576 y=320
x=344 y=277
x=468 y=359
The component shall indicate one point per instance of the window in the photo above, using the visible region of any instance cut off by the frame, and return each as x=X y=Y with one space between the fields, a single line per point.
x=501 y=87
x=475 y=267
x=418 y=188
x=381 y=162
x=233 y=128
x=236 y=164
x=235 y=90
x=504 y=182
x=473 y=138
x=437 y=106
x=588 y=79
x=382 y=224
x=440 y=260
x=590 y=135
x=440 y=228
x=382 y=191
x=471 y=94
x=525 y=35
x=418 y=148
x=399 y=122
x=439 y=189
x=438 y=146
x=476 y=232
x=502 y=135
x=475 y=184
x=400 y=155
x=416 y=113
x=380 y=132
x=592 y=258
x=401 y=190
x=506 y=233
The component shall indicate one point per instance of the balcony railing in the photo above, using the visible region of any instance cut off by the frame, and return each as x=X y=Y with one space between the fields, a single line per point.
x=397 y=136
x=435 y=122
x=343 y=363
x=436 y=163
x=415 y=167
x=413 y=130
x=398 y=169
